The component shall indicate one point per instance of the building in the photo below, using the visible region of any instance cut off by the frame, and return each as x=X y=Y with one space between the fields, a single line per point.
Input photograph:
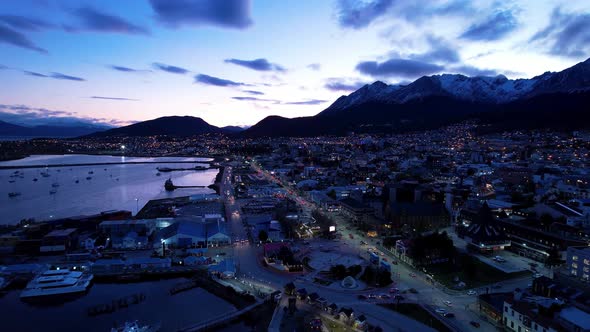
x=187 y=234
x=129 y=234
x=59 y=240
x=578 y=262
x=355 y=210
x=484 y=234
x=574 y=319
x=524 y=316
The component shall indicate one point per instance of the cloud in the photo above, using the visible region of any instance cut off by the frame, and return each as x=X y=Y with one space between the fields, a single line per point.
x=59 y=76
x=254 y=99
x=252 y=92
x=170 y=69
x=226 y=13
x=567 y=34
x=314 y=66
x=305 y=102
x=416 y=12
x=358 y=14
x=15 y=38
x=257 y=64
x=35 y=74
x=94 y=20
x=211 y=80
x=113 y=98
x=492 y=28
x=32 y=116
x=473 y=71
x=440 y=51
x=125 y=69
x=339 y=84
x=25 y=23
x=405 y=68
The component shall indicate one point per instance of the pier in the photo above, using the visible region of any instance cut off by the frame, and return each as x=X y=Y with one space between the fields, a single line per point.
x=169 y=186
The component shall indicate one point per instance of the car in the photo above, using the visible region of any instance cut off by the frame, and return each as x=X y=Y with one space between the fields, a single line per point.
x=440 y=311
x=412 y=274
x=393 y=262
x=448 y=303
x=471 y=292
x=384 y=259
x=449 y=315
x=394 y=290
x=372 y=296
x=351 y=236
x=363 y=243
x=474 y=323
x=384 y=296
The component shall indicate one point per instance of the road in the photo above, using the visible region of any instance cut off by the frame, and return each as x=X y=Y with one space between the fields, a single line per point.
x=461 y=304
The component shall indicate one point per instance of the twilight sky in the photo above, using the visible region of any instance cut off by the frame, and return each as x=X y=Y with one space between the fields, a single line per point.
x=234 y=62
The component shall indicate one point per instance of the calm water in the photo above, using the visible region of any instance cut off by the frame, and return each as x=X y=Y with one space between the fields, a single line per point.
x=110 y=187
x=172 y=311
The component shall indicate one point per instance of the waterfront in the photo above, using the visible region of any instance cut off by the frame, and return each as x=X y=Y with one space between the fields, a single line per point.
x=121 y=186
x=172 y=311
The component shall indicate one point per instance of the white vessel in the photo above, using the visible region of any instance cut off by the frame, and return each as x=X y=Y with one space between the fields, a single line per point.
x=135 y=327
x=56 y=283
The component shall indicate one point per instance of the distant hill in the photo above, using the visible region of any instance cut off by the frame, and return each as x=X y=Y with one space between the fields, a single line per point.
x=73 y=130
x=551 y=100
x=169 y=125
x=233 y=129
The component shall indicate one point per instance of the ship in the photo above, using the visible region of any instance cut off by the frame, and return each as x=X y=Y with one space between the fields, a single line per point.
x=52 y=191
x=13 y=194
x=56 y=283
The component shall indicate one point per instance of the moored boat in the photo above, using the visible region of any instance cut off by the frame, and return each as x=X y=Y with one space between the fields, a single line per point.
x=56 y=283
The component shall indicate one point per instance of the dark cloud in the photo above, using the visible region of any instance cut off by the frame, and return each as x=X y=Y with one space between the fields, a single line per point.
x=170 y=69
x=314 y=66
x=113 y=98
x=252 y=92
x=94 y=20
x=398 y=67
x=25 y=23
x=493 y=27
x=440 y=51
x=358 y=14
x=211 y=80
x=225 y=13
x=123 y=69
x=32 y=73
x=473 y=71
x=305 y=102
x=338 y=84
x=567 y=34
x=256 y=64
x=15 y=38
x=26 y=115
x=59 y=76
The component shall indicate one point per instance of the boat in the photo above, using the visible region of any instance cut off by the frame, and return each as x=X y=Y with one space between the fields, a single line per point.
x=52 y=191
x=91 y=172
x=135 y=327
x=13 y=194
x=35 y=180
x=158 y=174
x=88 y=177
x=45 y=174
x=11 y=181
x=55 y=185
x=77 y=181
x=55 y=283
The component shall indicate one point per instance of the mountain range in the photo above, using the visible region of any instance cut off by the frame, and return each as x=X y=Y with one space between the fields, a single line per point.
x=170 y=126
x=554 y=99
x=62 y=131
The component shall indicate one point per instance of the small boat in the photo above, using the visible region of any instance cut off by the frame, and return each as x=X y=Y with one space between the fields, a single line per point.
x=135 y=327
x=158 y=174
x=77 y=181
x=35 y=180
x=105 y=169
x=13 y=194
x=45 y=174
x=88 y=177
x=91 y=172
x=11 y=181
x=52 y=191
x=55 y=185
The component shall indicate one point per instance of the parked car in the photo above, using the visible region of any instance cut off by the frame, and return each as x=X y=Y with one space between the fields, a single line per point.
x=471 y=292
x=474 y=323
x=440 y=311
x=384 y=296
x=394 y=290
x=448 y=303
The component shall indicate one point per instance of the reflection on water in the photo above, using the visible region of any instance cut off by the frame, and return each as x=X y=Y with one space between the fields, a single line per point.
x=56 y=192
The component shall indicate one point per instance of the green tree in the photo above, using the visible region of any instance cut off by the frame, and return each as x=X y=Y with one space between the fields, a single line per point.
x=262 y=236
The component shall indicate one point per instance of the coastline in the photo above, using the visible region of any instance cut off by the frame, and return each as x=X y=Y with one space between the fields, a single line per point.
x=216 y=184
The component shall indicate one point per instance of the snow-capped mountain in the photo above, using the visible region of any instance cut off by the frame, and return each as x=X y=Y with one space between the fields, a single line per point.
x=483 y=89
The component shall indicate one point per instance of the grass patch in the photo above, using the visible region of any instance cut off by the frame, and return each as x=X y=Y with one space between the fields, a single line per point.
x=417 y=313
x=473 y=272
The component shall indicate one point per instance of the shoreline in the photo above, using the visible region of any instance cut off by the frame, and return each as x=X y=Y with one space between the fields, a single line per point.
x=215 y=159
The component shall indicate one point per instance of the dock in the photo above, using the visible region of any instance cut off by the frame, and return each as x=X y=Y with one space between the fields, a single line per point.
x=123 y=302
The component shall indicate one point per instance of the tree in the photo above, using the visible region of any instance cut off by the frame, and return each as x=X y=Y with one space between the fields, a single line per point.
x=263 y=235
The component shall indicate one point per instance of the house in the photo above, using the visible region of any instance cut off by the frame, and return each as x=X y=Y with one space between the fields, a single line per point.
x=312 y=298
x=187 y=233
x=59 y=240
x=346 y=315
x=290 y=289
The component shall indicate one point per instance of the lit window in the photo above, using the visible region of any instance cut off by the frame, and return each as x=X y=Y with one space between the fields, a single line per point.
x=575 y=258
x=575 y=265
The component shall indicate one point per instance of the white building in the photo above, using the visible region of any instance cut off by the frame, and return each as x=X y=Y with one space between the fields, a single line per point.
x=578 y=262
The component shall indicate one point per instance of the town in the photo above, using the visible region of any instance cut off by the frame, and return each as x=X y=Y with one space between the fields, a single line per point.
x=443 y=230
